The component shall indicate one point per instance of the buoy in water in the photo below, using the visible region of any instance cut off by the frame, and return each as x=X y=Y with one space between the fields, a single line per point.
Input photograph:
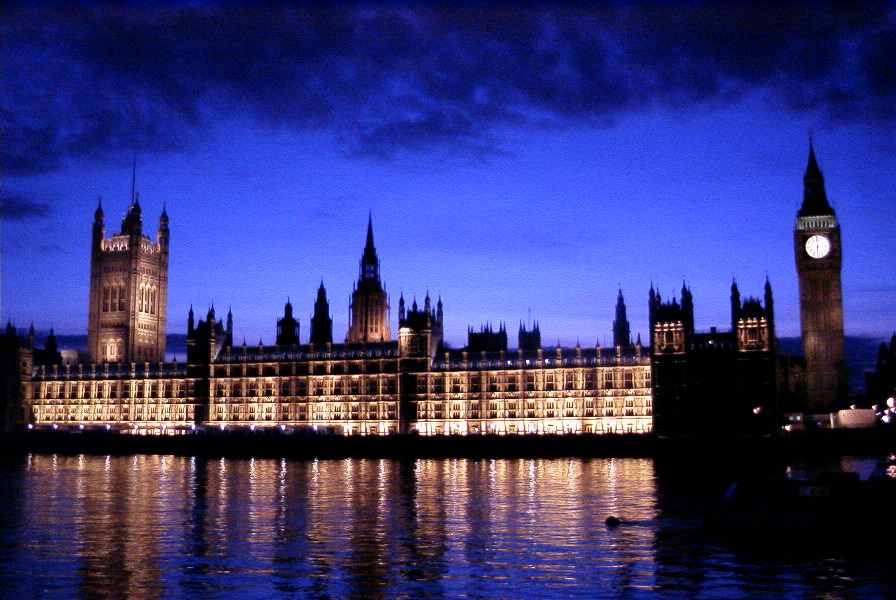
x=613 y=521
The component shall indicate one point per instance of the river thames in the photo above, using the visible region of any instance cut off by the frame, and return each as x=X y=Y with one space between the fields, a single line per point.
x=174 y=526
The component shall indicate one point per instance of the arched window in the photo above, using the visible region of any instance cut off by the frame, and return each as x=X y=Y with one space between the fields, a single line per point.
x=121 y=301
x=114 y=299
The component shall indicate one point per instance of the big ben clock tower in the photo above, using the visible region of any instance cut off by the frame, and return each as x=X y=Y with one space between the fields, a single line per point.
x=818 y=259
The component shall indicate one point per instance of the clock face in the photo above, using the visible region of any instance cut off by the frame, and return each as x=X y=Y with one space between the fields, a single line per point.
x=818 y=246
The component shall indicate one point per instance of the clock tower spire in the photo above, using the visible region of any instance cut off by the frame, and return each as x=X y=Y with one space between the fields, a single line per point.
x=818 y=253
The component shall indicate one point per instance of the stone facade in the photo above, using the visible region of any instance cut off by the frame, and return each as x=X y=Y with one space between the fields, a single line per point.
x=128 y=290
x=367 y=389
x=370 y=385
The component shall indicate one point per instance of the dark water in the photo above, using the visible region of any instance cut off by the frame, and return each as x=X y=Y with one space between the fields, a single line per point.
x=166 y=526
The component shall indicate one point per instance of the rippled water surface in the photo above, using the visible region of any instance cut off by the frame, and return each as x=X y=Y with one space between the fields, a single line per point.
x=163 y=526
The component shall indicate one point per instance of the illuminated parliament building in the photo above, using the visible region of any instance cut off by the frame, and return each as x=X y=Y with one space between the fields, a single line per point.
x=377 y=383
x=372 y=384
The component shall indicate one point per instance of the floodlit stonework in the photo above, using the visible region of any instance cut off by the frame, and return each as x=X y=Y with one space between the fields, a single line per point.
x=128 y=290
x=369 y=385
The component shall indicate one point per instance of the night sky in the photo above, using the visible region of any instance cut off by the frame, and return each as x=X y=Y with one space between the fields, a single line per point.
x=516 y=161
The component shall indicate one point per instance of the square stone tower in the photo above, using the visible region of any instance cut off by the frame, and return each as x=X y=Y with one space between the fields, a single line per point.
x=128 y=290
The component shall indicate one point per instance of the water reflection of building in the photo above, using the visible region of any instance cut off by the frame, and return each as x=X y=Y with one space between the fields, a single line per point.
x=369 y=385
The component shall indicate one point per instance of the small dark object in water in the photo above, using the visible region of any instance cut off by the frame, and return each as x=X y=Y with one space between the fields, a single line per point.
x=613 y=521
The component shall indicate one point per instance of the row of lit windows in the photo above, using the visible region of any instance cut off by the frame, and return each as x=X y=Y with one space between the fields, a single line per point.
x=503 y=382
x=301 y=387
x=114 y=413
x=161 y=389
x=323 y=367
x=115 y=299
x=323 y=411
x=635 y=425
x=530 y=409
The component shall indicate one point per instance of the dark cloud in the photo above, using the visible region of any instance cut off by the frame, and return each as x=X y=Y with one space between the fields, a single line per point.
x=101 y=81
x=14 y=207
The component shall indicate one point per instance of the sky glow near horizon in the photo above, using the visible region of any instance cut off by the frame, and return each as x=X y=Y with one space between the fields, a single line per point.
x=542 y=210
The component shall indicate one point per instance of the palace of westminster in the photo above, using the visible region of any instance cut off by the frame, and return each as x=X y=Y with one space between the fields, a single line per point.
x=375 y=383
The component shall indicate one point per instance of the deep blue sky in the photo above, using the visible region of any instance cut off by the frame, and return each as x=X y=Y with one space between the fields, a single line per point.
x=512 y=160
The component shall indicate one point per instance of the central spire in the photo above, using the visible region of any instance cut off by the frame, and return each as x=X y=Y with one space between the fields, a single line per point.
x=370 y=263
x=369 y=309
x=369 y=244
